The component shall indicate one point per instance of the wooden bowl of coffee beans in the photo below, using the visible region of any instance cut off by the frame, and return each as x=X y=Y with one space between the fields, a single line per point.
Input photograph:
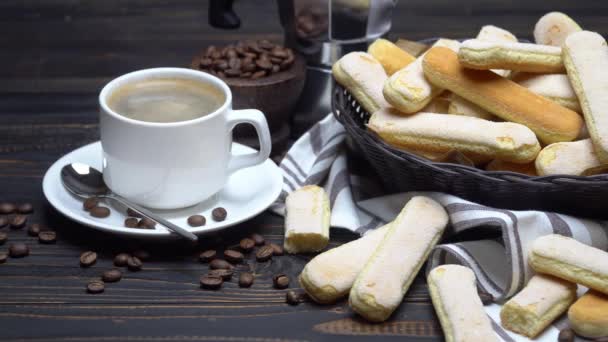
x=262 y=75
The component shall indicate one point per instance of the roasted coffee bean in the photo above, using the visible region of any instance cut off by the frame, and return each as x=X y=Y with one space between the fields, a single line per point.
x=263 y=64
x=3 y=257
x=3 y=238
x=234 y=257
x=287 y=63
x=246 y=245
x=197 y=220
x=133 y=213
x=255 y=48
x=210 y=282
x=18 y=250
x=34 y=229
x=121 y=259
x=206 y=62
x=217 y=264
x=90 y=203
x=88 y=258
x=215 y=55
x=258 y=239
x=239 y=50
x=207 y=256
x=275 y=69
x=278 y=52
x=3 y=221
x=25 y=208
x=95 y=287
x=47 y=237
x=230 y=54
x=258 y=74
x=221 y=65
x=248 y=67
x=246 y=75
x=276 y=60
x=246 y=279
x=566 y=335
x=280 y=281
x=266 y=45
x=232 y=72
x=264 y=253
x=99 y=212
x=486 y=298
x=111 y=276
x=18 y=221
x=146 y=223
x=210 y=49
x=7 y=208
x=276 y=249
x=141 y=254
x=131 y=222
x=134 y=264
x=219 y=214
x=234 y=63
x=222 y=273
x=292 y=297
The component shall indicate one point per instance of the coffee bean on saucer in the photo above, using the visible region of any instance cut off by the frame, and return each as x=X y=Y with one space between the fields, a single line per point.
x=264 y=253
x=18 y=250
x=219 y=214
x=99 y=212
x=88 y=258
x=3 y=257
x=258 y=239
x=217 y=264
x=486 y=298
x=18 y=221
x=292 y=297
x=246 y=279
x=120 y=260
x=234 y=257
x=276 y=249
x=47 y=237
x=146 y=223
x=3 y=221
x=141 y=254
x=207 y=256
x=210 y=282
x=34 y=229
x=222 y=273
x=246 y=245
x=90 y=203
x=280 y=281
x=196 y=220
x=111 y=276
x=134 y=264
x=25 y=208
x=566 y=335
x=3 y=238
x=133 y=213
x=7 y=208
x=95 y=287
x=131 y=222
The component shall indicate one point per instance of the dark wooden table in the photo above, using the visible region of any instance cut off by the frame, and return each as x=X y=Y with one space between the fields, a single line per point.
x=54 y=57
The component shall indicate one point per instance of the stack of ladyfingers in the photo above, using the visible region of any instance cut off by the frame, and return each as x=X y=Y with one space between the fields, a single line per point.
x=534 y=108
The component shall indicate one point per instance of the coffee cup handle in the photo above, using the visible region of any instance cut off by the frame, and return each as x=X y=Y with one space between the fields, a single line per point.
x=257 y=119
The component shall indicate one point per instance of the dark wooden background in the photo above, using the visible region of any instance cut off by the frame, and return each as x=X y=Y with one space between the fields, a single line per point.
x=54 y=57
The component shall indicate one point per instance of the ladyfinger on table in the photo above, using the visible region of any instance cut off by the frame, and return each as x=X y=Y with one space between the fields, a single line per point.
x=586 y=58
x=454 y=294
x=589 y=315
x=571 y=260
x=567 y=158
x=364 y=77
x=307 y=217
x=330 y=275
x=501 y=165
x=537 y=305
x=387 y=275
x=478 y=54
x=440 y=133
x=555 y=87
x=553 y=28
x=408 y=90
x=502 y=97
x=390 y=55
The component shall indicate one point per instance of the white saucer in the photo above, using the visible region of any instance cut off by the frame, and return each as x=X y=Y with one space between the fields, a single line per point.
x=248 y=192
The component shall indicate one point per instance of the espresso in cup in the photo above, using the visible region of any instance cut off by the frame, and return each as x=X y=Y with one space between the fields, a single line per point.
x=165 y=100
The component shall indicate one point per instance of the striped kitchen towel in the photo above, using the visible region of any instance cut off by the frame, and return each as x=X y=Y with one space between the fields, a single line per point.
x=494 y=243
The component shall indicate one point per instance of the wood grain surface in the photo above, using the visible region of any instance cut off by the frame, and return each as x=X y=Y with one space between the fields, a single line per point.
x=55 y=55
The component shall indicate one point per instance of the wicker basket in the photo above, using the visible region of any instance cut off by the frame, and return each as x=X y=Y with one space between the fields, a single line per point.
x=402 y=171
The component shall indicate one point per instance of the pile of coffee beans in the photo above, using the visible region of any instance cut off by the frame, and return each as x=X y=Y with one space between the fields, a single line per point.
x=246 y=59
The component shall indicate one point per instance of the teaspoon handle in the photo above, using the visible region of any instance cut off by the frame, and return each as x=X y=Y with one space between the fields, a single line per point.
x=147 y=213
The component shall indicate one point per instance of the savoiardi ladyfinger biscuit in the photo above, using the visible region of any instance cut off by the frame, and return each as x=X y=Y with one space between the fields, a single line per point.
x=586 y=59
x=588 y=316
x=502 y=97
x=553 y=28
x=460 y=106
x=307 y=217
x=390 y=55
x=555 y=87
x=567 y=158
x=491 y=33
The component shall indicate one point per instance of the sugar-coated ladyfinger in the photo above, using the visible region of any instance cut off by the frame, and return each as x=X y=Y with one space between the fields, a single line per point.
x=460 y=106
x=478 y=54
x=388 y=274
x=330 y=275
x=491 y=33
x=408 y=90
x=566 y=158
x=441 y=133
x=553 y=28
x=364 y=77
x=555 y=87
x=501 y=165
x=454 y=294
x=538 y=304
x=571 y=260
x=588 y=316
x=306 y=220
x=502 y=97
x=586 y=59
x=390 y=55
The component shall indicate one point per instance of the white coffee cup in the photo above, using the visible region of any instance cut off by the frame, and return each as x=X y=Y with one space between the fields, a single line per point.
x=177 y=164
